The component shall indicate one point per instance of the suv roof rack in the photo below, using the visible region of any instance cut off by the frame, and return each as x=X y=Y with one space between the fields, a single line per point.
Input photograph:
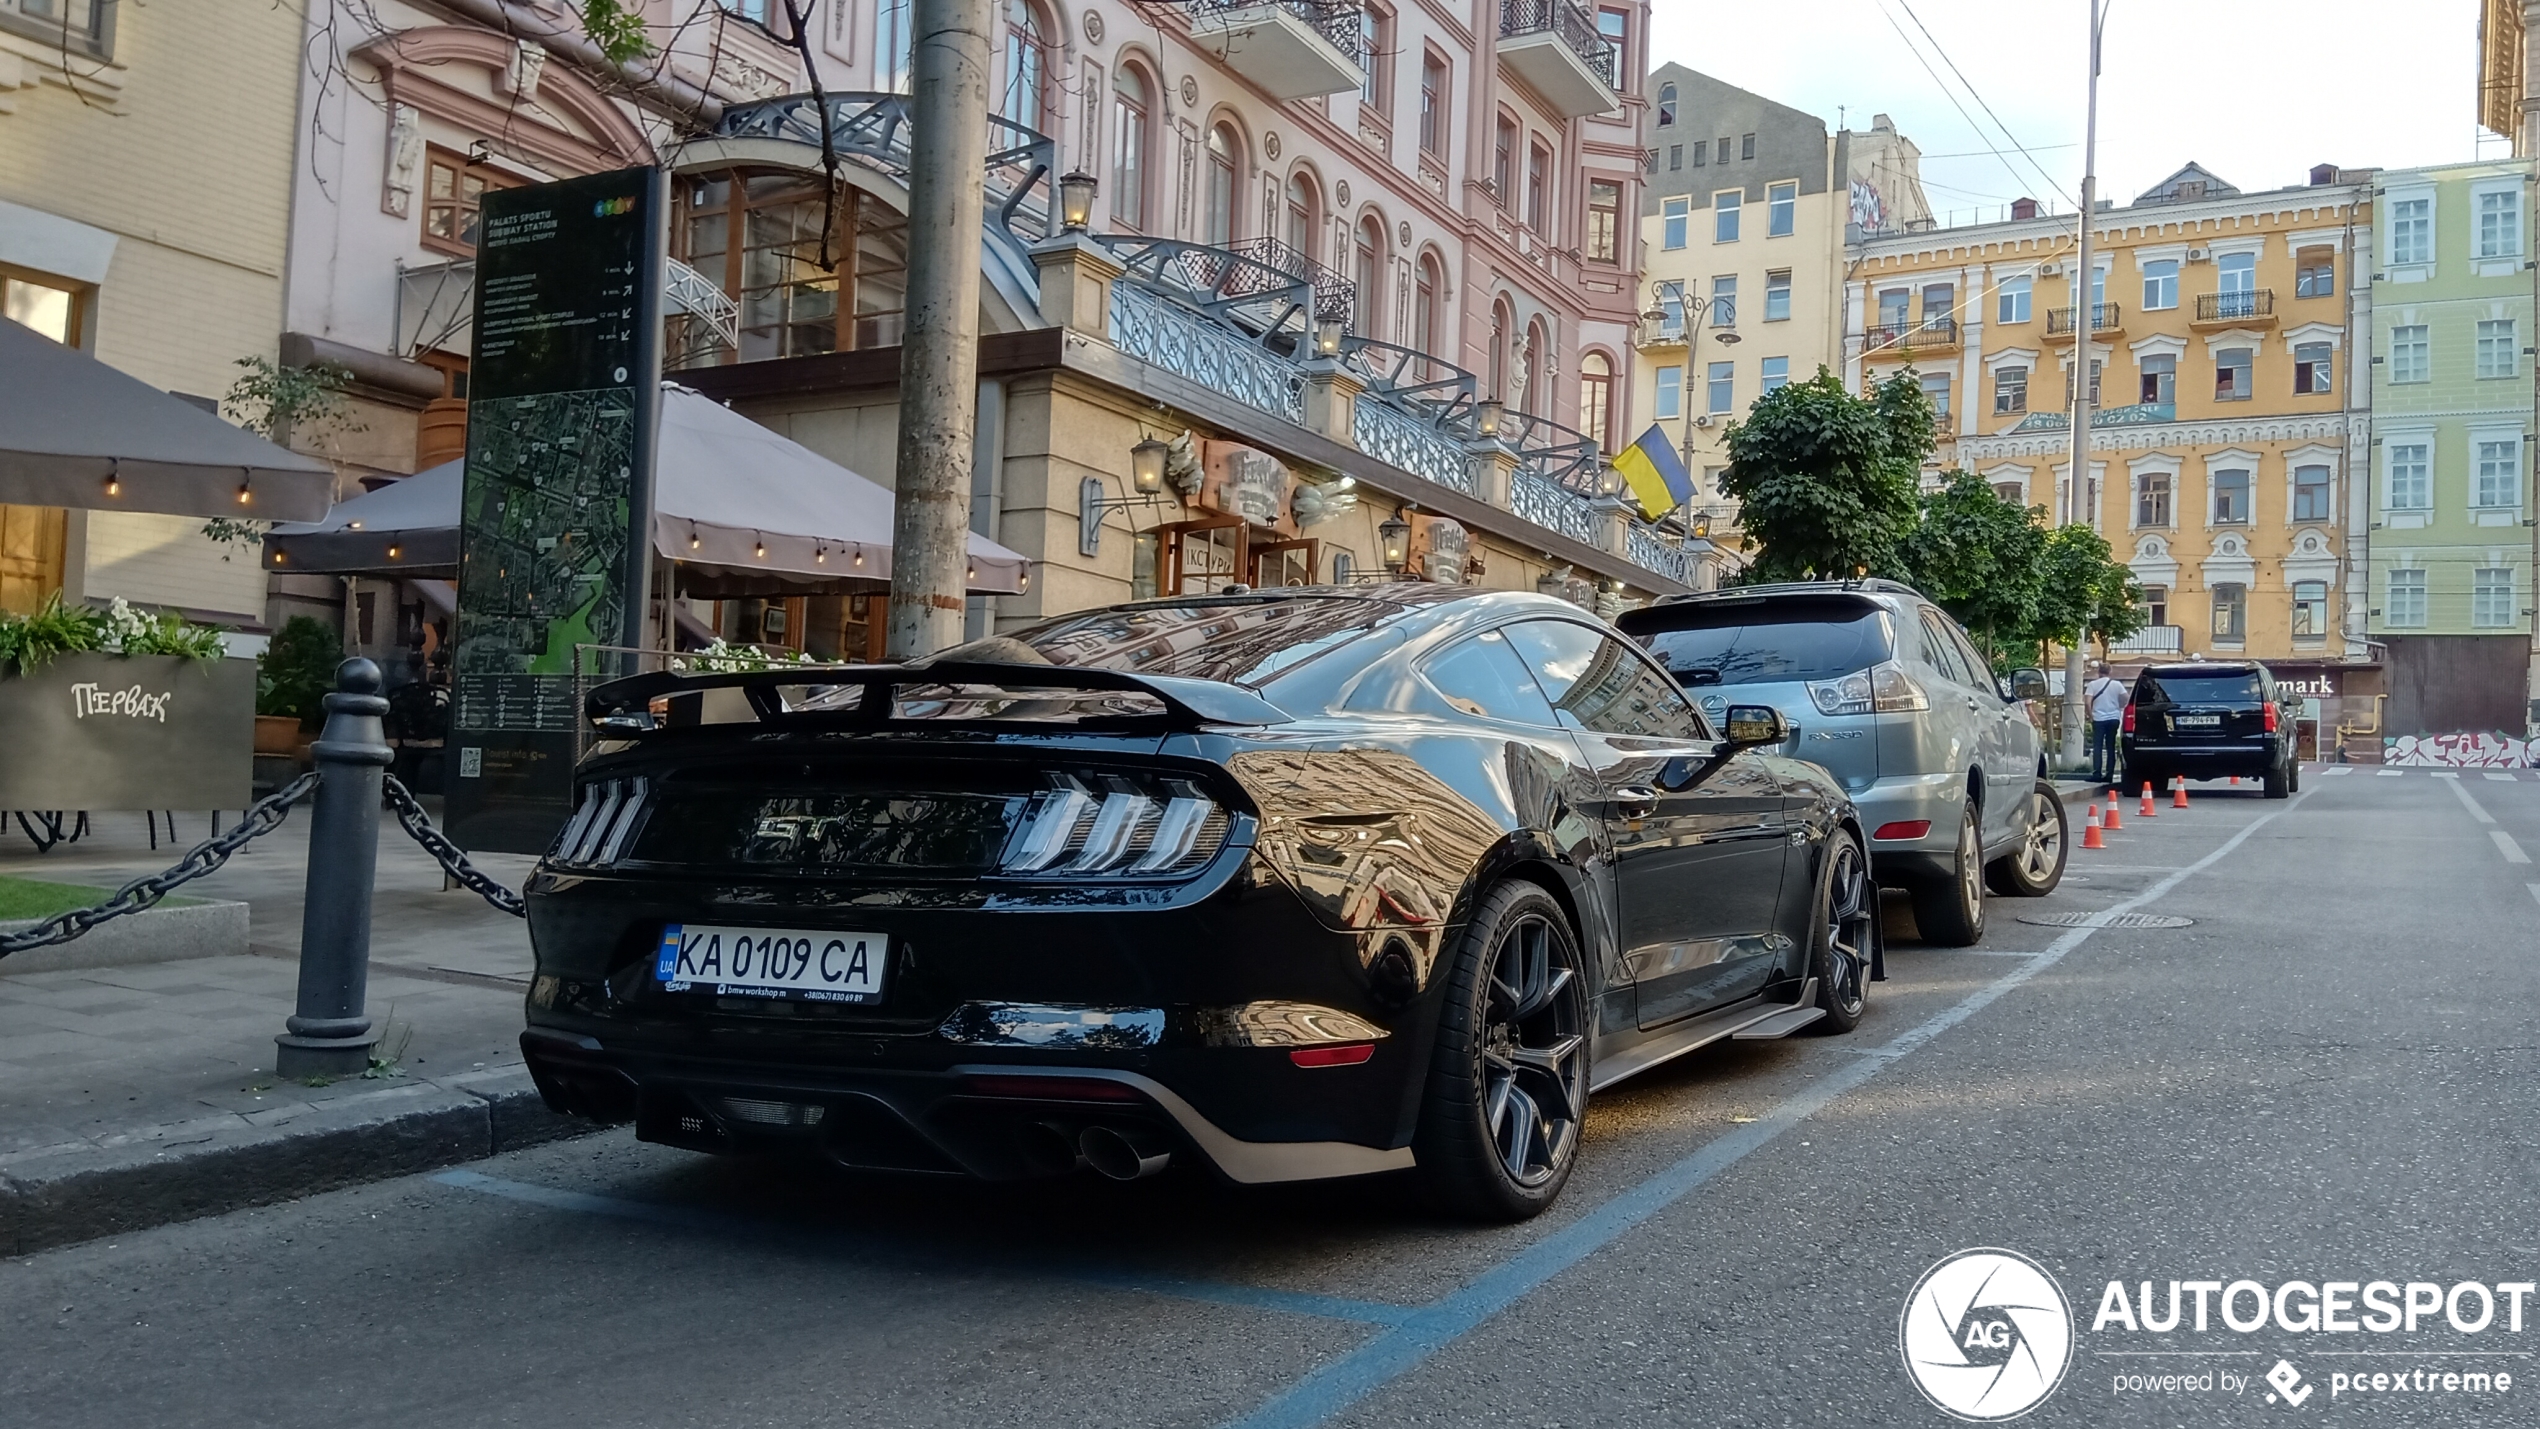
x=1876 y=585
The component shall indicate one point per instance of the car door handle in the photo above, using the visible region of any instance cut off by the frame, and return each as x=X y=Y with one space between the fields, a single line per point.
x=1635 y=801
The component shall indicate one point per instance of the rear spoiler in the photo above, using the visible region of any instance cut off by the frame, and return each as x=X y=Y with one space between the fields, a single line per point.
x=624 y=706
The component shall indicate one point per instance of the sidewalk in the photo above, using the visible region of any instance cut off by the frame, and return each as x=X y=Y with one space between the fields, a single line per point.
x=134 y=1095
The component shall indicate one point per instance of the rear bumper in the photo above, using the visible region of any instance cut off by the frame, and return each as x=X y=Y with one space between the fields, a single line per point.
x=2205 y=761
x=1935 y=799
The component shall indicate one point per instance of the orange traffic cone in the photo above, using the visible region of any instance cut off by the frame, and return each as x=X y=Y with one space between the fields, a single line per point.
x=2090 y=835
x=2093 y=818
x=2112 y=823
x=2147 y=811
x=2178 y=792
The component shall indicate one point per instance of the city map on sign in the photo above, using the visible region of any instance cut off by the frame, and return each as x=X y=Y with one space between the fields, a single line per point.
x=546 y=511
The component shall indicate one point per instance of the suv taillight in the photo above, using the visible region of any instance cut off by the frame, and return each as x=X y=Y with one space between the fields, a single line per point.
x=2129 y=717
x=2270 y=716
x=1883 y=689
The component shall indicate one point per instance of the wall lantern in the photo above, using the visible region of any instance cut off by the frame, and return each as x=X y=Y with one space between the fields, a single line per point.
x=1486 y=417
x=1146 y=466
x=1076 y=201
x=1609 y=482
x=1393 y=538
x=1327 y=337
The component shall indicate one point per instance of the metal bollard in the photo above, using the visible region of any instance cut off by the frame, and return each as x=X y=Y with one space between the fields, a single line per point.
x=331 y=1034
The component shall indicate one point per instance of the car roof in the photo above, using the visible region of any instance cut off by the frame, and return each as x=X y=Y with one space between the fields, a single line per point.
x=1873 y=586
x=2208 y=667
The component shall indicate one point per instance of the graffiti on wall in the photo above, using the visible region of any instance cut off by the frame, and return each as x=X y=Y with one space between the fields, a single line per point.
x=2472 y=749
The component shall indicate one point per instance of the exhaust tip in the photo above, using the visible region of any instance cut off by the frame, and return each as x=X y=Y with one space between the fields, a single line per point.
x=1047 y=1148
x=1124 y=1153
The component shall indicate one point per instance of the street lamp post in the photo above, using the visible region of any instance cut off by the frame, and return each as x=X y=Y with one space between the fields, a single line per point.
x=2085 y=322
x=1694 y=307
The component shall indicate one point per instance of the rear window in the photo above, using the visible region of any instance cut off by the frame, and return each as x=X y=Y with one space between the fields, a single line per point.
x=2221 y=687
x=1770 y=643
x=1241 y=641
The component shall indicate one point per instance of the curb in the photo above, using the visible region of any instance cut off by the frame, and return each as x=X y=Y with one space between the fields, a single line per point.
x=60 y=1195
x=197 y=929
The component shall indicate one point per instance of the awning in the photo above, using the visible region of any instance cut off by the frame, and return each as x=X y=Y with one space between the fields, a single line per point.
x=69 y=423
x=725 y=488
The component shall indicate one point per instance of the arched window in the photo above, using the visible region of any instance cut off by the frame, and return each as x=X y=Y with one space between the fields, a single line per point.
x=1427 y=282
x=1027 y=59
x=1534 y=391
x=1666 y=104
x=1501 y=321
x=1132 y=100
x=1370 y=274
x=1304 y=210
x=1596 y=399
x=1223 y=165
x=757 y=236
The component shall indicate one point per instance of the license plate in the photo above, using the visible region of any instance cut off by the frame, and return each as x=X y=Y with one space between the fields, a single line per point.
x=2199 y=721
x=815 y=965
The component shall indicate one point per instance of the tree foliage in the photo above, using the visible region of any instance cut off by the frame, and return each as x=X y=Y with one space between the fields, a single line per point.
x=1980 y=558
x=2088 y=592
x=1826 y=479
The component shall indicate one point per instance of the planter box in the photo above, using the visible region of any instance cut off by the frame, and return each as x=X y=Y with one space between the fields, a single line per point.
x=154 y=935
x=105 y=732
x=277 y=734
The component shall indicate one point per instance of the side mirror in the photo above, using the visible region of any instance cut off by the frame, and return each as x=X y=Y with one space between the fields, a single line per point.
x=2028 y=684
x=1752 y=725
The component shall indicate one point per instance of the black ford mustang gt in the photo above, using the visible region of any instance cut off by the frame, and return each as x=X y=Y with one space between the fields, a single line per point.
x=1294 y=884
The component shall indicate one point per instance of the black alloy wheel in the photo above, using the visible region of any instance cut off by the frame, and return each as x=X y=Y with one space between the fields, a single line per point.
x=1499 y=1127
x=2034 y=868
x=1949 y=909
x=1846 y=935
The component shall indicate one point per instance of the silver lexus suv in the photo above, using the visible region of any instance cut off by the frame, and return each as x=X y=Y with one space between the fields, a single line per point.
x=1888 y=694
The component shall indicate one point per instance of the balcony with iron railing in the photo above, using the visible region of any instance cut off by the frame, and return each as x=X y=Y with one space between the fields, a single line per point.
x=1898 y=339
x=1294 y=49
x=2150 y=640
x=2106 y=320
x=1553 y=45
x=2245 y=307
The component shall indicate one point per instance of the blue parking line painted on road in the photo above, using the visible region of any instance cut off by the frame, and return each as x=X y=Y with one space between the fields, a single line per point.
x=1371 y=1366
x=1254 y=1297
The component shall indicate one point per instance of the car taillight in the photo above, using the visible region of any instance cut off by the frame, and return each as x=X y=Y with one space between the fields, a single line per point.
x=2270 y=716
x=1129 y=828
x=1883 y=689
x=601 y=823
x=2129 y=718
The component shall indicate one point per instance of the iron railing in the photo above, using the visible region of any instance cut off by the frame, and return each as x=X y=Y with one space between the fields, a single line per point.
x=1265 y=305
x=1335 y=20
x=1150 y=327
x=1420 y=447
x=1910 y=336
x=2150 y=640
x=872 y=129
x=1570 y=460
x=1413 y=382
x=1642 y=548
x=2103 y=317
x=2247 y=303
x=1564 y=19
x=1534 y=499
x=1335 y=296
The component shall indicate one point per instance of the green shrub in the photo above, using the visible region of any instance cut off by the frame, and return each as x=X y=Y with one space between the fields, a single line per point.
x=30 y=642
x=297 y=670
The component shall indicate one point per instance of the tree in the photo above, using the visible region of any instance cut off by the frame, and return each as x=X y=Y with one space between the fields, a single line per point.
x=1827 y=480
x=2086 y=592
x=1978 y=557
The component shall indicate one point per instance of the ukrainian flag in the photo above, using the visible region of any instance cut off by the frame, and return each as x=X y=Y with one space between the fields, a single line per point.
x=1654 y=474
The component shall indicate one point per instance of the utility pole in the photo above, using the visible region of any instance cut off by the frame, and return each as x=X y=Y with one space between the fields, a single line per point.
x=939 y=354
x=2085 y=315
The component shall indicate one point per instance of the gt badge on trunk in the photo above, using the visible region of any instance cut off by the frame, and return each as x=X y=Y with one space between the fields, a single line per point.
x=812 y=964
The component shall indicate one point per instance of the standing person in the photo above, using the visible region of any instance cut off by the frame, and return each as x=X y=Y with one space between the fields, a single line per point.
x=2107 y=695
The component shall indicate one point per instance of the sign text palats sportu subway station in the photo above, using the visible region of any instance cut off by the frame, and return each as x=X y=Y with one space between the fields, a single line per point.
x=564 y=394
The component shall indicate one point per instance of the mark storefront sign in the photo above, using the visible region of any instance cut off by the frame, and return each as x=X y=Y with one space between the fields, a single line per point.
x=95 y=731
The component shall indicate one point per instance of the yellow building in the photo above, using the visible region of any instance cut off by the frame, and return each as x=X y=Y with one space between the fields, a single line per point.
x=145 y=198
x=2229 y=418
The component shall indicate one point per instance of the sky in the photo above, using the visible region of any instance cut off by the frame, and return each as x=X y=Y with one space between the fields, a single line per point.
x=2257 y=91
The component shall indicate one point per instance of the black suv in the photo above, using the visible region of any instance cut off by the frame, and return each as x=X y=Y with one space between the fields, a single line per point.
x=2207 y=720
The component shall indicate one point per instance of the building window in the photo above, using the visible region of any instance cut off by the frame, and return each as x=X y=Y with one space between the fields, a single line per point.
x=2160 y=285
x=2231 y=612
x=1615 y=27
x=1370 y=273
x=2231 y=498
x=1940 y=301
x=1131 y=102
x=1701 y=153
x=2010 y=390
x=1225 y=167
x=1667 y=105
x=2011 y=302
x=1671 y=312
x=2310 y=610
x=2156 y=605
x=2314 y=368
x=1675 y=157
x=1723 y=387
x=1433 y=102
x=2499 y=481
x=2491 y=597
x=1777 y=297
x=2411 y=358
x=1604 y=221
x=2311 y=493
x=1671 y=393
x=2412 y=230
x=1724 y=211
x=1776 y=373
x=1503 y=320
x=452 y=191
x=1424 y=303
x=1596 y=399
x=1896 y=310
x=2411 y=481
x=1724 y=301
x=1503 y=163
x=1304 y=213
x=2236 y=279
x=2152 y=499
x=2231 y=375
x=2500 y=223
x=1027 y=54
x=1675 y=216
x=1936 y=387
x=2498 y=355
x=894 y=42
x=2315 y=273
x=50 y=310
x=2159 y=380
x=1538 y=186
x=1724 y=148
x=1781 y=210
x=1375 y=42
x=2404 y=608
x=1746 y=147
x=758 y=237
x=2095 y=374
x=2009 y=491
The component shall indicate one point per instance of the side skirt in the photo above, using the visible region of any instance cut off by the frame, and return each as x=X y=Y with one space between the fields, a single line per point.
x=1698 y=1033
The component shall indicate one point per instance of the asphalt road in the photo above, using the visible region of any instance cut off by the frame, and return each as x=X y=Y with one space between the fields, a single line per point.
x=2326 y=1077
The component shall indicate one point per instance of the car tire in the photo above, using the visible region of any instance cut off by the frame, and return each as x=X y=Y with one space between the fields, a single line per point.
x=1949 y=910
x=2138 y=775
x=1845 y=941
x=2279 y=782
x=2034 y=868
x=1506 y=1098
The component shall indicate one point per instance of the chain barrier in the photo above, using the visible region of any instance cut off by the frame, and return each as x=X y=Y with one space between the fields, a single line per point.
x=418 y=826
x=261 y=818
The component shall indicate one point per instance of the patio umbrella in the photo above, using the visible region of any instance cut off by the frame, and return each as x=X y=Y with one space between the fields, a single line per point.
x=75 y=432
